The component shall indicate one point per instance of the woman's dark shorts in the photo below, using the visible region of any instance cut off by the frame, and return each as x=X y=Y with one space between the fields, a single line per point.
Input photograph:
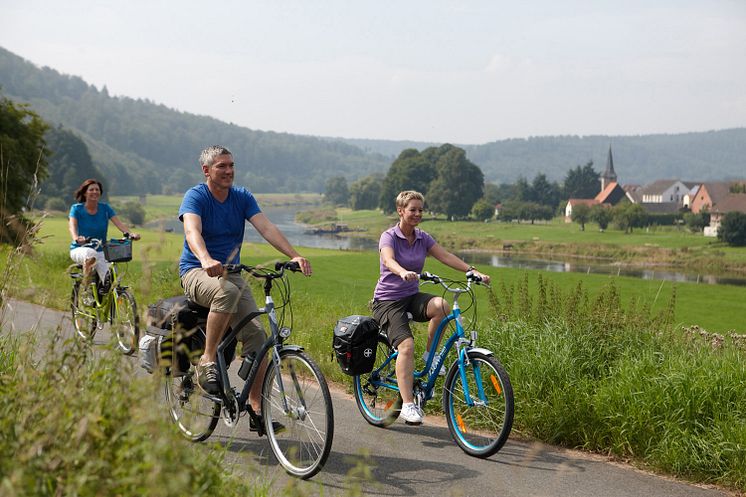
x=392 y=315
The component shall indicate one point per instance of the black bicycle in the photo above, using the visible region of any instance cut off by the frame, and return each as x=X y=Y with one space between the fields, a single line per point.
x=296 y=407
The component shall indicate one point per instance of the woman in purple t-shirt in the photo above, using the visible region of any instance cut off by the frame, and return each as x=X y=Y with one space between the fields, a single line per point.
x=403 y=250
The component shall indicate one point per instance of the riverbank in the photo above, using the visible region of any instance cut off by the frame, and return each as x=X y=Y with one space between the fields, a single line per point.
x=671 y=248
x=663 y=247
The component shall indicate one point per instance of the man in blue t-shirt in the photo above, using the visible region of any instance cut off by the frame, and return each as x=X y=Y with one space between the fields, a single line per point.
x=214 y=214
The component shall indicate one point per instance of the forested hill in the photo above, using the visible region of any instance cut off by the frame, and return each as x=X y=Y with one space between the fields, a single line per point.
x=712 y=155
x=143 y=147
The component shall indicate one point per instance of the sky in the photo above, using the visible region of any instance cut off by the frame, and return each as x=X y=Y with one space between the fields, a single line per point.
x=465 y=72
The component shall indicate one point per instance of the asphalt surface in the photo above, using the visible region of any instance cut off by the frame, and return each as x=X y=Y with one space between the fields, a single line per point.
x=403 y=460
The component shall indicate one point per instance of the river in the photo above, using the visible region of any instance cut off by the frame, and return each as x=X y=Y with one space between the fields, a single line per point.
x=299 y=235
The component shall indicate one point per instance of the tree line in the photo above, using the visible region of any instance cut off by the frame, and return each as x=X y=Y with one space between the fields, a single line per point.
x=455 y=187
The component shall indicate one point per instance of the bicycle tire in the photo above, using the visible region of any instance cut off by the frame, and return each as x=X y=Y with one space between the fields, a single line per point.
x=83 y=315
x=379 y=405
x=304 y=443
x=195 y=415
x=482 y=429
x=125 y=322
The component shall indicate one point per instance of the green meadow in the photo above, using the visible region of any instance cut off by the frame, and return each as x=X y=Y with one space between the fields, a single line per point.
x=647 y=371
x=345 y=279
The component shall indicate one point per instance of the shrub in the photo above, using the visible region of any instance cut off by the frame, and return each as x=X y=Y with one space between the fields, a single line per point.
x=733 y=229
x=482 y=210
x=89 y=426
x=55 y=204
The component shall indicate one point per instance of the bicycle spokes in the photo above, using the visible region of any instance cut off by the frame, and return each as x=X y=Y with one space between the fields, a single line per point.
x=478 y=402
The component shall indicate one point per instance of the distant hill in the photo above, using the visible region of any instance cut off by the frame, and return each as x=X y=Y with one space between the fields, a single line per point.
x=144 y=147
x=711 y=155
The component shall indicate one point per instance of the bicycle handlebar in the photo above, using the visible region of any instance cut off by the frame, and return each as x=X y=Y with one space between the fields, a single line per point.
x=471 y=277
x=97 y=242
x=261 y=272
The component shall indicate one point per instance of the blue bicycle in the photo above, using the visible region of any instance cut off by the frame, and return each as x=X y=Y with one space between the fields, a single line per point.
x=477 y=394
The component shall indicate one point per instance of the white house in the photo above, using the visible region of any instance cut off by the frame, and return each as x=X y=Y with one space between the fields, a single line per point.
x=664 y=191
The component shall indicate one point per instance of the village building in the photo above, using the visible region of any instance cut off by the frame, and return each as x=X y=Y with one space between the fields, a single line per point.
x=611 y=192
x=718 y=198
x=666 y=191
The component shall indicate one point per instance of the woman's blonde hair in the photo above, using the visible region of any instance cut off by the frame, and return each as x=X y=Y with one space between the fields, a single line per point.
x=404 y=197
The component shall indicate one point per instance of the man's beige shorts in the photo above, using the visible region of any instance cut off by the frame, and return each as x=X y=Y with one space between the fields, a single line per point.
x=227 y=294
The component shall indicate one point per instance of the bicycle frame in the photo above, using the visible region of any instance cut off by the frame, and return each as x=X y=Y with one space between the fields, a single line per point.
x=106 y=306
x=273 y=342
x=434 y=361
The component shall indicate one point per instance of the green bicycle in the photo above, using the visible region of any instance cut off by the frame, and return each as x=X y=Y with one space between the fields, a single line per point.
x=109 y=301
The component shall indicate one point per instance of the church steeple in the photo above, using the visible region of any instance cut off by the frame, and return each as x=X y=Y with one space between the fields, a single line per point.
x=609 y=175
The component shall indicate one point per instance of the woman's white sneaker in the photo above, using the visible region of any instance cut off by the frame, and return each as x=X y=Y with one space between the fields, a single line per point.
x=410 y=414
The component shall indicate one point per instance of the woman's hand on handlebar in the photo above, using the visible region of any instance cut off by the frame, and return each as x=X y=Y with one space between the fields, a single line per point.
x=132 y=236
x=409 y=275
x=81 y=240
x=485 y=277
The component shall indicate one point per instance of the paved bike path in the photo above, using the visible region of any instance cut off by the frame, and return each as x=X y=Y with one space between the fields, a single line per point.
x=413 y=461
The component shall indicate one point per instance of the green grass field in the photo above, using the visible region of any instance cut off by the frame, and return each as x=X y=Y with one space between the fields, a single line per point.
x=596 y=362
x=347 y=278
x=166 y=206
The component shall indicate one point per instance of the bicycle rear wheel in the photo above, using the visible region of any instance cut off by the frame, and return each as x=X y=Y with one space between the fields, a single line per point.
x=379 y=404
x=304 y=441
x=125 y=322
x=482 y=428
x=195 y=415
x=82 y=305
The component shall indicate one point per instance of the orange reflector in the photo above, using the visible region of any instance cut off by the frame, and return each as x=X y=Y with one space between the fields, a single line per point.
x=461 y=424
x=496 y=384
x=388 y=405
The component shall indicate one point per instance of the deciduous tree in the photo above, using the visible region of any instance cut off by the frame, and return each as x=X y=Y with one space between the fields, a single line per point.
x=601 y=214
x=459 y=184
x=581 y=214
x=337 y=191
x=410 y=171
x=23 y=162
x=733 y=229
x=365 y=192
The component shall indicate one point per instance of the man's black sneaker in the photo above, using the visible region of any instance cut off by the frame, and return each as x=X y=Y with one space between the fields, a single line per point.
x=276 y=425
x=207 y=378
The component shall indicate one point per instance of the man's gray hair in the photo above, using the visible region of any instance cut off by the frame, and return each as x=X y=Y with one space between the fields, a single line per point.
x=207 y=157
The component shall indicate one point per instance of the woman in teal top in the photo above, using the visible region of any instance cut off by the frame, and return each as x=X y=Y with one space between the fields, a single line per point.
x=89 y=218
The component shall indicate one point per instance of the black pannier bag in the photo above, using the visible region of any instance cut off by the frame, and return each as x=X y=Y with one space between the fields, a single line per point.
x=180 y=324
x=355 y=344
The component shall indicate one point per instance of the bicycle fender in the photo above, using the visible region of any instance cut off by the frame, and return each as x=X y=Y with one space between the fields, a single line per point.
x=486 y=352
x=291 y=348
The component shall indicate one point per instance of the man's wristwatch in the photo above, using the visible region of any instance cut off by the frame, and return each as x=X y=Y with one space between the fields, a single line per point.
x=470 y=268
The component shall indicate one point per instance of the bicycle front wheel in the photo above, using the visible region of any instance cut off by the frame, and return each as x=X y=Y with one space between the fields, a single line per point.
x=480 y=426
x=195 y=415
x=83 y=307
x=379 y=403
x=298 y=415
x=125 y=322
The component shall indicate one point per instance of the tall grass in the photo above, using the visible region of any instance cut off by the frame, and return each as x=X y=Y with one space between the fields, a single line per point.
x=592 y=374
x=74 y=422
